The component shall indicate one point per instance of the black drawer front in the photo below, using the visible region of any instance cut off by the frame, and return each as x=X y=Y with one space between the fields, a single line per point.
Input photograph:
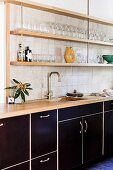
x=108 y=105
x=78 y=111
x=48 y=162
x=14 y=141
x=43 y=133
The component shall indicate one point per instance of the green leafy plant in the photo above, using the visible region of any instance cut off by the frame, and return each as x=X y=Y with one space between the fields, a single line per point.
x=20 y=89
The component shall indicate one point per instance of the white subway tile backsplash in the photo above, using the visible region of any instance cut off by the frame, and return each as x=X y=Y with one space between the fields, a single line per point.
x=75 y=80
x=70 y=89
x=68 y=71
x=81 y=71
x=85 y=80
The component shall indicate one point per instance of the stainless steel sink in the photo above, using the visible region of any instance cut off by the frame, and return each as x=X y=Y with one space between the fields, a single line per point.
x=66 y=99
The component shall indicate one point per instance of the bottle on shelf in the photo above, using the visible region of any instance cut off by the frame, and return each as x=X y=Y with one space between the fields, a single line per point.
x=28 y=54
x=20 y=53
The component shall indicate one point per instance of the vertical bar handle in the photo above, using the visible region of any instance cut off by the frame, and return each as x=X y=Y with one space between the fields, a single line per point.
x=86 y=126
x=81 y=127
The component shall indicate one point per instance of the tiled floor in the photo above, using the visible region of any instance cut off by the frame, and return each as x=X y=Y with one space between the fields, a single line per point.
x=105 y=165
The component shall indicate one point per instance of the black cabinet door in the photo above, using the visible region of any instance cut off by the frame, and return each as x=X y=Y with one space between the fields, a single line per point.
x=14 y=141
x=48 y=162
x=70 y=144
x=43 y=133
x=92 y=137
x=108 y=140
x=24 y=166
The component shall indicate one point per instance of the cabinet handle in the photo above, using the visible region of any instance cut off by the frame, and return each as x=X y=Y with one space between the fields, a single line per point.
x=81 y=127
x=1 y=124
x=46 y=160
x=86 y=126
x=44 y=116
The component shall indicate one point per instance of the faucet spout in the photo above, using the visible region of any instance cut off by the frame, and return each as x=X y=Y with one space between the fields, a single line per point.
x=50 y=93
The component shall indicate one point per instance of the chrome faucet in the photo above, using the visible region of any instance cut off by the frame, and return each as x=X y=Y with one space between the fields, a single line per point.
x=50 y=93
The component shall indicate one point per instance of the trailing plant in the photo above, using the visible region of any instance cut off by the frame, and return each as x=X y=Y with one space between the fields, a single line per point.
x=20 y=89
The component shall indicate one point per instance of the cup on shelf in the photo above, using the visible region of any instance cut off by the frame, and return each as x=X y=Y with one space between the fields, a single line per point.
x=52 y=58
x=17 y=25
x=34 y=57
x=100 y=59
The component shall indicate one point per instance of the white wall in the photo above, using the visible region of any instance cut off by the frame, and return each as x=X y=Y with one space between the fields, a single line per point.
x=98 y=8
x=2 y=54
x=74 y=5
x=102 y=9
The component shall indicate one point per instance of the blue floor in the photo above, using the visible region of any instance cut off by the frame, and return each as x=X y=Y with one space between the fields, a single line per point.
x=105 y=165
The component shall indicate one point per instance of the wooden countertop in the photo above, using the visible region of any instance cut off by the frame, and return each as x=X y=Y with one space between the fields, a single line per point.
x=8 y=110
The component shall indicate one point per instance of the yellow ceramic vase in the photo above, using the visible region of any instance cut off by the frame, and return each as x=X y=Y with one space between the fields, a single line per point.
x=69 y=55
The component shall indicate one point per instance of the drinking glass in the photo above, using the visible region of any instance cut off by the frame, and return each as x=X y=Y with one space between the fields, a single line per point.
x=17 y=25
x=52 y=26
x=43 y=28
x=65 y=30
x=34 y=56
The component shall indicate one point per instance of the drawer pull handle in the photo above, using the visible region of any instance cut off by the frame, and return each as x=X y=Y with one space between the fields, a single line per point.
x=46 y=160
x=86 y=127
x=44 y=116
x=81 y=127
x=1 y=124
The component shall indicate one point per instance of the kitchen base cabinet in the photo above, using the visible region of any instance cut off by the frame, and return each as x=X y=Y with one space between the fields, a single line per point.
x=48 y=162
x=70 y=144
x=92 y=137
x=108 y=141
x=24 y=166
x=80 y=138
x=14 y=141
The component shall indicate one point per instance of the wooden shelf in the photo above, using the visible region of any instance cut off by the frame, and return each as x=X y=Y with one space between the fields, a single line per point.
x=15 y=63
x=57 y=37
x=46 y=36
x=59 y=11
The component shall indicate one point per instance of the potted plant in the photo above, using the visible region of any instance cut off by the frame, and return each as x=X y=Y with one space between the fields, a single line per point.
x=20 y=89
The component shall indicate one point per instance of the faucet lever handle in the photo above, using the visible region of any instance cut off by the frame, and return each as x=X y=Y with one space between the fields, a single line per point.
x=50 y=94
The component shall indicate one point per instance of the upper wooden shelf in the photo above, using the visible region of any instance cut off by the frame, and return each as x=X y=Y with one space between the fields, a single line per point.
x=60 y=11
x=15 y=63
x=57 y=37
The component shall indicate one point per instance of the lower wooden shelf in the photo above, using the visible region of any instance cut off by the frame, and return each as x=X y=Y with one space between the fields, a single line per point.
x=15 y=63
